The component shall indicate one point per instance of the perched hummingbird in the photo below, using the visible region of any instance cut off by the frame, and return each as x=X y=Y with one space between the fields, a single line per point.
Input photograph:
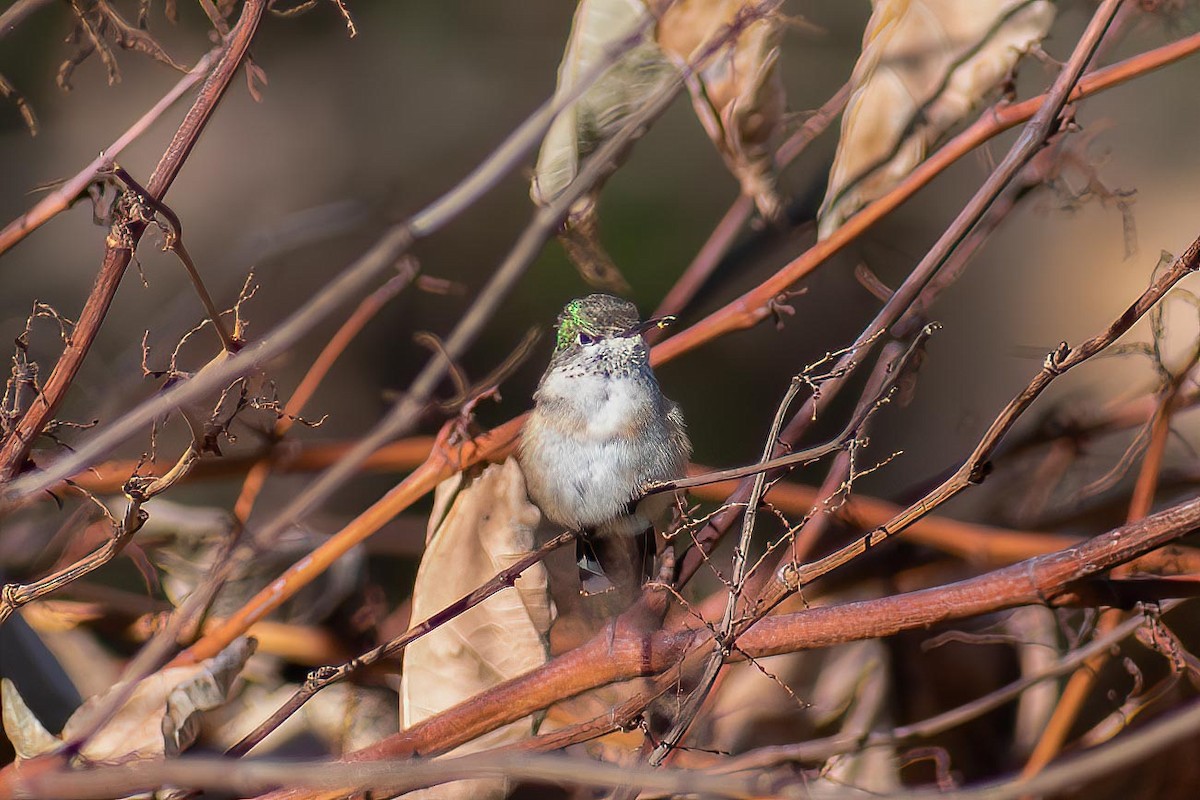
x=600 y=430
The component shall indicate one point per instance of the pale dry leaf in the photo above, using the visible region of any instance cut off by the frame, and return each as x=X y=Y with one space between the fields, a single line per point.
x=28 y=736
x=183 y=543
x=343 y=716
x=160 y=718
x=738 y=95
x=924 y=65
x=1035 y=629
x=598 y=27
x=856 y=680
x=756 y=706
x=489 y=526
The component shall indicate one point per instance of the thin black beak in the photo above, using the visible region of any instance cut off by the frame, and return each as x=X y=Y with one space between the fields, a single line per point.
x=650 y=324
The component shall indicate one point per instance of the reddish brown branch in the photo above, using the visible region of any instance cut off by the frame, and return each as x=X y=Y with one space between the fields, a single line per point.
x=366 y=310
x=623 y=651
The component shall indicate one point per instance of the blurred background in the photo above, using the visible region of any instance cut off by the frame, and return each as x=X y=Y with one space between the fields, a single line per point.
x=352 y=134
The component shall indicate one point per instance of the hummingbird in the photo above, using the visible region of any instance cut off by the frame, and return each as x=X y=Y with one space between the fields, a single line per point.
x=600 y=430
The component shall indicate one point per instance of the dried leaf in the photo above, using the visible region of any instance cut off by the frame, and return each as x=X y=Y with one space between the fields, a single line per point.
x=489 y=526
x=738 y=96
x=95 y=23
x=29 y=738
x=924 y=65
x=183 y=542
x=1035 y=628
x=160 y=718
x=599 y=26
x=856 y=680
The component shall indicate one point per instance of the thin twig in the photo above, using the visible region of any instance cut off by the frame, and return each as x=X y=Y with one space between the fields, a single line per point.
x=174 y=243
x=366 y=310
x=972 y=470
x=841 y=472
x=137 y=492
x=65 y=195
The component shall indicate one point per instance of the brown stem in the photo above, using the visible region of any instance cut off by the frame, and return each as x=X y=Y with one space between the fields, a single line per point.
x=174 y=243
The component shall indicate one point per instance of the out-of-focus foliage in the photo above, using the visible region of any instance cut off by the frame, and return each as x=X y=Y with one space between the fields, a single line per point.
x=183 y=542
x=737 y=94
x=600 y=26
x=924 y=65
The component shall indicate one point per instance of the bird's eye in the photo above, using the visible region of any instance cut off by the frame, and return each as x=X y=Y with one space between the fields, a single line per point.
x=586 y=338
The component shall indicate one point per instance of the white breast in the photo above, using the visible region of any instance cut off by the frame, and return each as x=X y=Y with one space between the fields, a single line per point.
x=606 y=405
x=583 y=466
